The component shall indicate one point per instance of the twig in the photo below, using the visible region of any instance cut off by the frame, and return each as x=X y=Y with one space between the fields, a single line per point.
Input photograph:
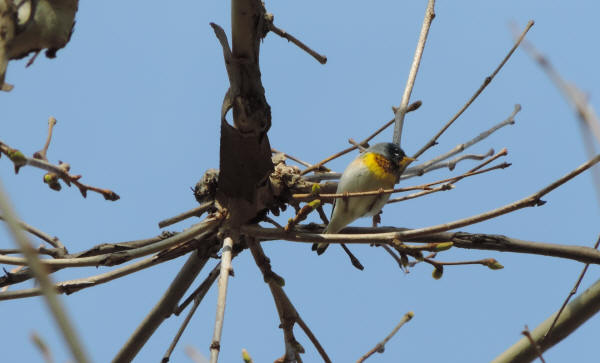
x=478 y=241
x=199 y=231
x=571 y=293
x=412 y=75
x=194 y=354
x=282 y=33
x=225 y=270
x=577 y=312
x=578 y=100
x=42 y=153
x=486 y=82
x=451 y=165
x=196 y=212
x=199 y=293
x=20 y=160
x=353 y=260
x=380 y=347
x=301 y=162
x=43 y=279
x=42 y=346
x=413 y=107
x=286 y=310
x=527 y=334
x=163 y=309
x=72 y=286
x=53 y=241
x=461 y=147
x=197 y=297
x=302 y=214
x=426 y=187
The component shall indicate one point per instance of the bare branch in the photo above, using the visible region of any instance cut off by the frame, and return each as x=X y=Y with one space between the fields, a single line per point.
x=477 y=241
x=486 y=82
x=53 y=241
x=61 y=171
x=527 y=334
x=413 y=106
x=225 y=270
x=39 y=271
x=198 y=295
x=571 y=293
x=199 y=231
x=380 y=347
x=282 y=33
x=286 y=310
x=412 y=75
x=71 y=286
x=576 y=313
x=196 y=212
x=163 y=309
x=461 y=147
x=451 y=165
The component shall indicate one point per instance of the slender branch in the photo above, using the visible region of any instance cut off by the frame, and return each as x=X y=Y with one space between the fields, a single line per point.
x=301 y=162
x=20 y=160
x=465 y=240
x=71 y=286
x=197 y=300
x=163 y=309
x=527 y=334
x=426 y=187
x=571 y=293
x=510 y=120
x=282 y=33
x=196 y=212
x=42 y=153
x=575 y=314
x=380 y=347
x=413 y=107
x=486 y=82
x=199 y=293
x=39 y=271
x=53 y=241
x=225 y=270
x=288 y=315
x=451 y=165
x=412 y=75
x=199 y=231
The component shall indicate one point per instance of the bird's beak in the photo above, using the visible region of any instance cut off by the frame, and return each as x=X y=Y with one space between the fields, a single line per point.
x=405 y=161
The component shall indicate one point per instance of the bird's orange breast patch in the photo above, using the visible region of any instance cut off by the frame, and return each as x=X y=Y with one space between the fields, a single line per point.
x=381 y=167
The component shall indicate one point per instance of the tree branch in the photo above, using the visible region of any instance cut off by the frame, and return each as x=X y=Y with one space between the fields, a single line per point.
x=576 y=313
x=486 y=82
x=215 y=346
x=478 y=241
x=412 y=75
x=39 y=271
x=163 y=309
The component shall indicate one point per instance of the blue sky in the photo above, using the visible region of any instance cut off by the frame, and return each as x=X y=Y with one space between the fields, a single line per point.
x=137 y=95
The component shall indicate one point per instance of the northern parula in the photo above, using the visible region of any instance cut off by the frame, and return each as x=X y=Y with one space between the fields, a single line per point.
x=379 y=166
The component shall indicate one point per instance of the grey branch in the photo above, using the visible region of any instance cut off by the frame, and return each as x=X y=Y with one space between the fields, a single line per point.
x=412 y=75
x=477 y=241
x=163 y=309
x=462 y=147
x=226 y=255
x=198 y=231
x=576 y=313
x=58 y=312
x=380 y=347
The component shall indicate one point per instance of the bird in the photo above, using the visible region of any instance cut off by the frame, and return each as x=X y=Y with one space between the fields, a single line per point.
x=378 y=167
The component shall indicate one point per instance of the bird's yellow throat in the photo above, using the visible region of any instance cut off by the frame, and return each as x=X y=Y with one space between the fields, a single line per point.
x=381 y=167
